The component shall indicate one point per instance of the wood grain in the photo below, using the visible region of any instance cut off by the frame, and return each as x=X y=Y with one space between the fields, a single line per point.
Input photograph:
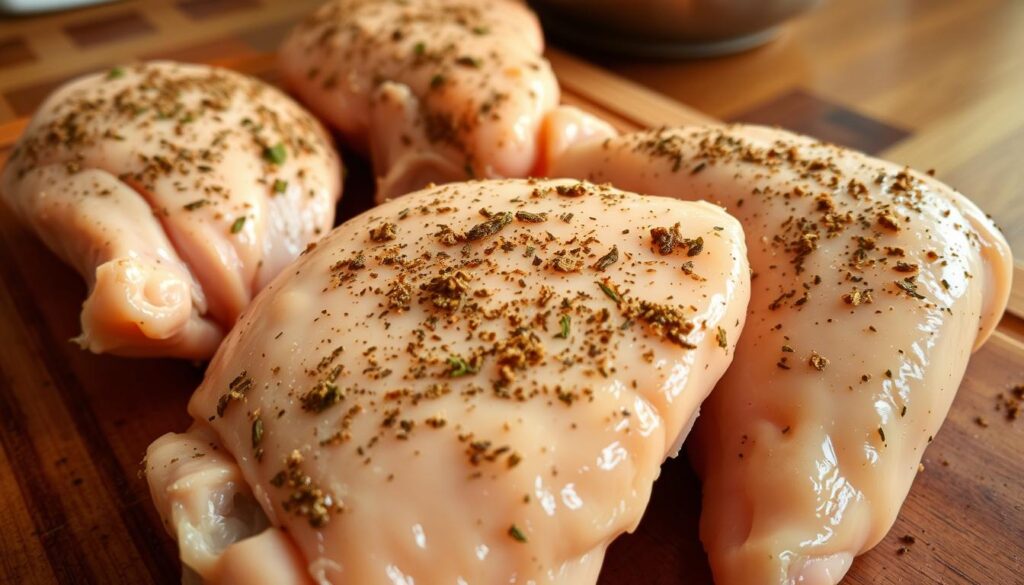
x=805 y=113
x=174 y=30
x=73 y=427
x=646 y=109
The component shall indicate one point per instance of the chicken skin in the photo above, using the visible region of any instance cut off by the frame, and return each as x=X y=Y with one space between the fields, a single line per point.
x=872 y=284
x=476 y=383
x=433 y=90
x=177 y=191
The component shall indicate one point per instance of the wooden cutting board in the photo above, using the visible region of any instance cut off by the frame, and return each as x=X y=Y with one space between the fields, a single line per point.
x=74 y=426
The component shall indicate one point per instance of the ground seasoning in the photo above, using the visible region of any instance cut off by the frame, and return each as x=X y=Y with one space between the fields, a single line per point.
x=516 y=533
x=305 y=498
x=818 y=362
x=384 y=232
x=607 y=260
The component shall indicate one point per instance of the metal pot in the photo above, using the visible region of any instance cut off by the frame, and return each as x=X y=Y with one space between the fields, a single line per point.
x=668 y=28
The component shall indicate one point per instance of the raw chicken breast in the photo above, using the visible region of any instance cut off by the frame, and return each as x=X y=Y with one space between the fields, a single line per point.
x=177 y=191
x=476 y=383
x=872 y=284
x=434 y=90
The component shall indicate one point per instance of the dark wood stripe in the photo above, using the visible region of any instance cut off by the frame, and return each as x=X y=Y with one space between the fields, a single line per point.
x=148 y=539
x=202 y=9
x=109 y=29
x=48 y=515
x=15 y=51
x=25 y=100
x=267 y=39
x=809 y=114
x=201 y=52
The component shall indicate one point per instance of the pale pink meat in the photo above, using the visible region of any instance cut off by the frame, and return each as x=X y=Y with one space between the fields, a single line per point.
x=434 y=90
x=177 y=191
x=476 y=383
x=872 y=284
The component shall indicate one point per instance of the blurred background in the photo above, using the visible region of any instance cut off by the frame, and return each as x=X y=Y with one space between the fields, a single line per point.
x=930 y=83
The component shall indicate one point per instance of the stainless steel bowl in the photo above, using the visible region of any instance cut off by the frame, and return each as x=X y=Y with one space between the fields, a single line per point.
x=668 y=28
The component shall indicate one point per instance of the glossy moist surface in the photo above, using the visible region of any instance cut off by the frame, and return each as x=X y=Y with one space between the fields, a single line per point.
x=475 y=383
x=872 y=284
x=177 y=191
x=435 y=90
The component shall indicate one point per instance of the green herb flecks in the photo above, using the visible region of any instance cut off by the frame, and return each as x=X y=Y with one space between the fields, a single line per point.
x=908 y=286
x=458 y=367
x=526 y=216
x=275 y=154
x=516 y=533
x=565 y=322
x=610 y=292
x=257 y=437
x=467 y=61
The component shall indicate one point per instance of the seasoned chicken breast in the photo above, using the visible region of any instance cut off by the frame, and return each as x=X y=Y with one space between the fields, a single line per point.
x=434 y=90
x=177 y=191
x=476 y=383
x=872 y=284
